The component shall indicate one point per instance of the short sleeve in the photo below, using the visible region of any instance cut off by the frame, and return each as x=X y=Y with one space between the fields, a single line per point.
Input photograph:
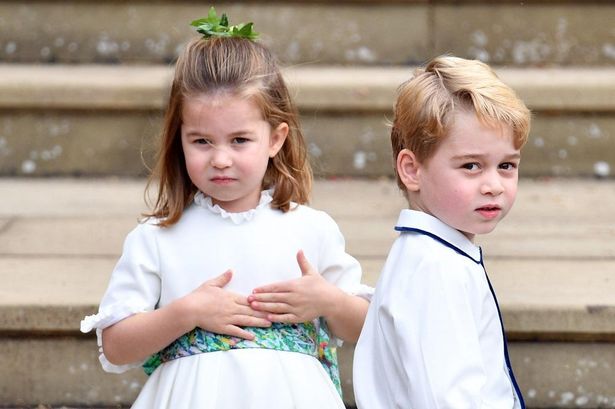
x=336 y=265
x=134 y=287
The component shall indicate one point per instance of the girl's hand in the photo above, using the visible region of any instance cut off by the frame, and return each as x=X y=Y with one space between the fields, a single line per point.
x=215 y=309
x=299 y=300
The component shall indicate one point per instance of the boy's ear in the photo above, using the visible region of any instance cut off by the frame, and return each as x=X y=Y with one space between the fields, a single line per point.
x=277 y=138
x=408 y=169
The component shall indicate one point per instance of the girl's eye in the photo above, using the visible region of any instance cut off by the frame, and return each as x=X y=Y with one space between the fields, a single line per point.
x=470 y=166
x=202 y=141
x=240 y=140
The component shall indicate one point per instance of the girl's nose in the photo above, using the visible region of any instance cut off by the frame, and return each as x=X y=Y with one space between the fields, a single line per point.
x=220 y=158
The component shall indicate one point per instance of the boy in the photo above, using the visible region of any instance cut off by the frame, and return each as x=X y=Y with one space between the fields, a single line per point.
x=433 y=337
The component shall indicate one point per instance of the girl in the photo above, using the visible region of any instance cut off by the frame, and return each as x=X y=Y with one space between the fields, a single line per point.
x=233 y=178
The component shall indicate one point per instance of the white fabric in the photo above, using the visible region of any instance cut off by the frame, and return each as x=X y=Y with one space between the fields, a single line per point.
x=241 y=378
x=158 y=265
x=432 y=336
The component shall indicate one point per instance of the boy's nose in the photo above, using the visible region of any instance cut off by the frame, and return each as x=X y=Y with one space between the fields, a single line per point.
x=492 y=185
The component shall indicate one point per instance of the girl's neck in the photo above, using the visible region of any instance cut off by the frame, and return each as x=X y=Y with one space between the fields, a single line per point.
x=238 y=206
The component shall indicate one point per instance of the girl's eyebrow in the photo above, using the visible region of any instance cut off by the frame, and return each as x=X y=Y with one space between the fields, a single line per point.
x=240 y=133
x=194 y=133
x=197 y=133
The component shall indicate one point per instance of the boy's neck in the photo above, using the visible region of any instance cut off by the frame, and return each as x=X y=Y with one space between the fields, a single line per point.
x=470 y=236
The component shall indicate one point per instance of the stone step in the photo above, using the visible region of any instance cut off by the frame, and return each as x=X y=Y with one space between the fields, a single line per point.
x=551 y=262
x=528 y=33
x=101 y=120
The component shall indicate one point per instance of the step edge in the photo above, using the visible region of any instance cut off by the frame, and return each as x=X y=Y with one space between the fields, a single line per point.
x=525 y=322
x=323 y=88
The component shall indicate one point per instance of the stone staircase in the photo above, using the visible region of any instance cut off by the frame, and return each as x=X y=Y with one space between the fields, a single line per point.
x=82 y=88
x=86 y=81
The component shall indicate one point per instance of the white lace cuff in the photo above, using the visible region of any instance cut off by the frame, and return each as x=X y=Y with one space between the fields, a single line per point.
x=105 y=318
x=364 y=291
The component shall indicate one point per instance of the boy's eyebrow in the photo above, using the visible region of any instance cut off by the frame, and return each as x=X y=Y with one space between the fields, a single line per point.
x=470 y=156
x=516 y=155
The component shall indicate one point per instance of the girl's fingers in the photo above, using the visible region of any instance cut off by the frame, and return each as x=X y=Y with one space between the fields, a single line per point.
x=268 y=297
x=222 y=280
x=304 y=265
x=272 y=307
x=283 y=286
x=235 y=331
x=241 y=300
x=248 y=311
x=247 y=321
x=284 y=318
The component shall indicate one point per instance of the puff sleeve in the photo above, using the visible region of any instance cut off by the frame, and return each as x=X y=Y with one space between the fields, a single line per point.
x=134 y=287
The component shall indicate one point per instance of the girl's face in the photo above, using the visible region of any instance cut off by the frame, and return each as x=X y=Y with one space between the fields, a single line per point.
x=470 y=183
x=227 y=145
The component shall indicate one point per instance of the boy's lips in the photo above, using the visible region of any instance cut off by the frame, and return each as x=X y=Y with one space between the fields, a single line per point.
x=489 y=211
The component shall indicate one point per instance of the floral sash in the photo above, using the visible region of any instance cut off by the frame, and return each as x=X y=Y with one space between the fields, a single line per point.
x=306 y=338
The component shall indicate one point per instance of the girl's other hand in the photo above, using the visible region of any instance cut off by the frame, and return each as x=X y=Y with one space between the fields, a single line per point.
x=299 y=300
x=215 y=309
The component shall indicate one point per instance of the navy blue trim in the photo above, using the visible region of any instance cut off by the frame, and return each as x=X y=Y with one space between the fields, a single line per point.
x=506 y=356
x=463 y=253
x=441 y=240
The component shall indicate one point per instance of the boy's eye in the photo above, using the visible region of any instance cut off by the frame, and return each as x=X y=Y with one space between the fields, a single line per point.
x=470 y=166
x=508 y=166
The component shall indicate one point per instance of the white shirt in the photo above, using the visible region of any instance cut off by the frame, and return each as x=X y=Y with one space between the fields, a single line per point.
x=433 y=335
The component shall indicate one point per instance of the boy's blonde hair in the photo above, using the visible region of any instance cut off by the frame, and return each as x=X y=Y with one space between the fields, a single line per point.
x=236 y=67
x=426 y=104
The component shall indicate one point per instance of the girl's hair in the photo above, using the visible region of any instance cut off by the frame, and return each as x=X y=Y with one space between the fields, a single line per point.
x=237 y=67
x=427 y=102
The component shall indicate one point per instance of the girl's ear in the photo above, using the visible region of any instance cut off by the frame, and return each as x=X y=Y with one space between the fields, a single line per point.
x=409 y=169
x=277 y=138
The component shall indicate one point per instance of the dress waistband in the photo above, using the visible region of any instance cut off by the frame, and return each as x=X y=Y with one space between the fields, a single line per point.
x=305 y=338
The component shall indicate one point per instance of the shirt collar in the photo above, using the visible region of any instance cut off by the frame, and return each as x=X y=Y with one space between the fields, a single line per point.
x=237 y=218
x=424 y=223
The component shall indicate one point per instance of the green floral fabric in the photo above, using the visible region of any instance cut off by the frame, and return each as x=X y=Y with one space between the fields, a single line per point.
x=306 y=338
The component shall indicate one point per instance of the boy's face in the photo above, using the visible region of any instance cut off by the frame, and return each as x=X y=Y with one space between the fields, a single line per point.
x=470 y=182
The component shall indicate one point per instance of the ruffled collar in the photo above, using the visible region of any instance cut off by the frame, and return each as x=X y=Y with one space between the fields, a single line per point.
x=205 y=202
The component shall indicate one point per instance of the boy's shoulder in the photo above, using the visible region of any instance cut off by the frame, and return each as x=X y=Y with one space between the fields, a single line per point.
x=425 y=243
x=424 y=250
x=420 y=263
x=428 y=231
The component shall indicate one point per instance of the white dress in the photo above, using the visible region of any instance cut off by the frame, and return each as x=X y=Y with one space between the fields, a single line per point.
x=159 y=265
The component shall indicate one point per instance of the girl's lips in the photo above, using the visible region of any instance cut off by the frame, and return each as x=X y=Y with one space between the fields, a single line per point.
x=222 y=180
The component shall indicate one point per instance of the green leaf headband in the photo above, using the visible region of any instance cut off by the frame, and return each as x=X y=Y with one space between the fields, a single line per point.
x=214 y=26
